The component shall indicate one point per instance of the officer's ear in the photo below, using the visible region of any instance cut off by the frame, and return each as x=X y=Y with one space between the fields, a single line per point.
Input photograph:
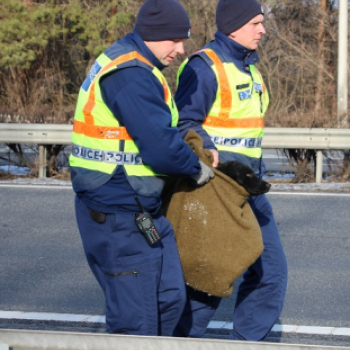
x=232 y=35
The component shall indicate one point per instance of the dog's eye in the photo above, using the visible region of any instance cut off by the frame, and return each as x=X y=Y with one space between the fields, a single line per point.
x=249 y=175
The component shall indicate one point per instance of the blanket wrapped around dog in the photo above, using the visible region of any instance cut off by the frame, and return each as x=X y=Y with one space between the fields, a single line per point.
x=217 y=233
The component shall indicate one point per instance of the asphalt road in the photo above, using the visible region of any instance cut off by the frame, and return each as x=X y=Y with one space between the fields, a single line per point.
x=43 y=268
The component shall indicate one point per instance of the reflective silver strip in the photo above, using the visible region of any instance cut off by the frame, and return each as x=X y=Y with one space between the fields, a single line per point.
x=236 y=142
x=258 y=87
x=120 y=158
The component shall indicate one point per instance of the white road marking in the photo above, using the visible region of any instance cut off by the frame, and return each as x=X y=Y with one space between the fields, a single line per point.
x=44 y=316
x=291 y=329
x=64 y=186
x=309 y=193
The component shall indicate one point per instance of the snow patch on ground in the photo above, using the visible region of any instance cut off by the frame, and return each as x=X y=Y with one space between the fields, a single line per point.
x=280 y=182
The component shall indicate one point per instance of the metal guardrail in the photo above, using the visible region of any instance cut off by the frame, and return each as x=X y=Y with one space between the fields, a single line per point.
x=275 y=138
x=44 y=340
x=41 y=134
x=318 y=139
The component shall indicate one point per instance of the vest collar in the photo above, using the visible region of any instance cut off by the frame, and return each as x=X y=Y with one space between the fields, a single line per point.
x=144 y=50
x=236 y=50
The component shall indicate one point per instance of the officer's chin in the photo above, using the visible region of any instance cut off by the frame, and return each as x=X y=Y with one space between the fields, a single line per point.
x=167 y=61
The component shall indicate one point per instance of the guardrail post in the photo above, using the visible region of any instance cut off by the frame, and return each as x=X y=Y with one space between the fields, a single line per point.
x=319 y=166
x=42 y=162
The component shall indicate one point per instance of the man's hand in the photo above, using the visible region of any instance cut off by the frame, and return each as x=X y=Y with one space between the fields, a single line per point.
x=204 y=175
x=216 y=157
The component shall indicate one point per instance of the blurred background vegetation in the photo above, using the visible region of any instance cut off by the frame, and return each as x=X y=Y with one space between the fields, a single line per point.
x=47 y=46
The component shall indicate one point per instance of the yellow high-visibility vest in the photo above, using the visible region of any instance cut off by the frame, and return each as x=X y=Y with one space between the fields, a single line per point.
x=235 y=122
x=97 y=134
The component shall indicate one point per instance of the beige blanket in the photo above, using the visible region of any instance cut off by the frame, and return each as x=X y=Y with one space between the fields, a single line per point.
x=217 y=234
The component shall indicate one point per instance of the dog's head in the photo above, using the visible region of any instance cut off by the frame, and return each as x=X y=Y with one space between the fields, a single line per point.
x=245 y=177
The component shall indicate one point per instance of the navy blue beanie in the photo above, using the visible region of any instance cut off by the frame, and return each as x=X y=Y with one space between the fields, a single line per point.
x=160 y=20
x=233 y=14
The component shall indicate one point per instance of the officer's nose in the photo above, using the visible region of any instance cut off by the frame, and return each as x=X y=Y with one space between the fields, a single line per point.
x=180 y=48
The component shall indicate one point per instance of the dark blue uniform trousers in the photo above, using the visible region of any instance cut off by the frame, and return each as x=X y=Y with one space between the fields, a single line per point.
x=260 y=296
x=143 y=286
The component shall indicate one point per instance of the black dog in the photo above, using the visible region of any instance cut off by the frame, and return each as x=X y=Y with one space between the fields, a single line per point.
x=245 y=177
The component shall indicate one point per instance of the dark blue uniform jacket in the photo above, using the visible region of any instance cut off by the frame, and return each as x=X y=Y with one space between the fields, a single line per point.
x=197 y=90
x=136 y=98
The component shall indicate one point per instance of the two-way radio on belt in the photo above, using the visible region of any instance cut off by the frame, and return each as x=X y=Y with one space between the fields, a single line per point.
x=145 y=224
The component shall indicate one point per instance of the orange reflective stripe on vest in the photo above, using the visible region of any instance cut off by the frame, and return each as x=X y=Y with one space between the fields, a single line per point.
x=223 y=120
x=101 y=132
x=88 y=127
x=166 y=90
x=248 y=123
x=226 y=95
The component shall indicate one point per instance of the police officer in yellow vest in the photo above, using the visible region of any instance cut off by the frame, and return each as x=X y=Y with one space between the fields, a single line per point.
x=125 y=141
x=222 y=96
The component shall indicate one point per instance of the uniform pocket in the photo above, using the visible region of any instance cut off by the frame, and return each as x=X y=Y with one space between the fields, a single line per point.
x=132 y=298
